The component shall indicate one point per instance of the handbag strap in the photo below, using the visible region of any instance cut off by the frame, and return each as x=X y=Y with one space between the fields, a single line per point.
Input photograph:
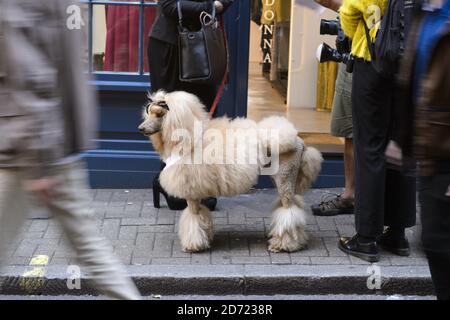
x=225 y=76
x=180 y=13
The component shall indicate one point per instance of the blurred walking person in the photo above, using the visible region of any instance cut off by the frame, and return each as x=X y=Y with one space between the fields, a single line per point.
x=425 y=136
x=47 y=117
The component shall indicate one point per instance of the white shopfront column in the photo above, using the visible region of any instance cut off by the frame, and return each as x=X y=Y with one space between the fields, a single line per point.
x=305 y=38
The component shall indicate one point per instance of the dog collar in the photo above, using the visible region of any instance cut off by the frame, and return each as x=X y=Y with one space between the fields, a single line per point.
x=170 y=161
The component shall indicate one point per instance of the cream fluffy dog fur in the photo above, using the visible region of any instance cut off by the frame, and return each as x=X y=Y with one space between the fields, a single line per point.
x=298 y=166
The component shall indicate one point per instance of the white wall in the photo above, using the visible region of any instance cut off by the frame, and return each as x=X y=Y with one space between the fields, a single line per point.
x=255 y=43
x=305 y=39
x=99 y=30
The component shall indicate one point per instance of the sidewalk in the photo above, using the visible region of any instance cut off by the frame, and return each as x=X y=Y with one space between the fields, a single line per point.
x=238 y=263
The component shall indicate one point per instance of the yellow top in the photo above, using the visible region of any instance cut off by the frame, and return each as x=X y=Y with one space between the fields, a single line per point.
x=352 y=13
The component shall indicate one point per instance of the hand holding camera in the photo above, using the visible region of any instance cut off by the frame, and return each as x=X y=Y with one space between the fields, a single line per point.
x=343 y=45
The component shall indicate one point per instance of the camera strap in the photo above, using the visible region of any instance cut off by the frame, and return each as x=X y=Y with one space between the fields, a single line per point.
x=370 y=44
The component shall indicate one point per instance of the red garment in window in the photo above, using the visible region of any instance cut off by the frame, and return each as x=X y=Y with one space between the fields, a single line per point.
x=122 y=37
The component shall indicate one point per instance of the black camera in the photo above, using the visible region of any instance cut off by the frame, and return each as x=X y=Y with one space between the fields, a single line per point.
x=331 y=27
x=327 y=53
x=343 y=45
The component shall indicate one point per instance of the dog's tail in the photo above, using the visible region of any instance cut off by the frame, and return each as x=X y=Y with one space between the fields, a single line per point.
x=309 y=169
x=277 y=135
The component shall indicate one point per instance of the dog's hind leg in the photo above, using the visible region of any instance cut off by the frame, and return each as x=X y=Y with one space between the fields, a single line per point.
x=287 y=230
x=196 y=228
x=309 y=170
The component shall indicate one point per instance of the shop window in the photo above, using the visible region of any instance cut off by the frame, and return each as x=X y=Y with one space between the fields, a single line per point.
x=116 y=36
x=270 y=38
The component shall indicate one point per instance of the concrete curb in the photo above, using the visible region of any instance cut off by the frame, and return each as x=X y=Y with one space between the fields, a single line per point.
x=229 y=280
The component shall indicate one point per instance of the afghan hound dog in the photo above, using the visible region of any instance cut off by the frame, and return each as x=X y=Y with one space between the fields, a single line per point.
x=224 y=157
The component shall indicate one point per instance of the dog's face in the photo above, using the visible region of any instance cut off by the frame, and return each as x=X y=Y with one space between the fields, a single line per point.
x=153 y=115
x=166 y=113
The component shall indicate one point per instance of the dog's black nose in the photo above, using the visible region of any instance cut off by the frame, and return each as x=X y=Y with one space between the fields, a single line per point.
x=141 y=130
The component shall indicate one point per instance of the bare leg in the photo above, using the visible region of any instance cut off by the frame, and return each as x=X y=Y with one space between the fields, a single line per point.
x=196 y=228
x=349 y=168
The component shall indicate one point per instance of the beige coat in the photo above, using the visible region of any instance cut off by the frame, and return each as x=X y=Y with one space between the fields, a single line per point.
x=47 y=111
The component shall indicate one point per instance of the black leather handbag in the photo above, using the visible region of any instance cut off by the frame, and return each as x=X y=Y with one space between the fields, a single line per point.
x=203 y=53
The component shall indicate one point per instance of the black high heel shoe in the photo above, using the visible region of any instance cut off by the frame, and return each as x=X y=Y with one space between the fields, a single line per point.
x=210 y=203
x=173 y=202
x=176 y=203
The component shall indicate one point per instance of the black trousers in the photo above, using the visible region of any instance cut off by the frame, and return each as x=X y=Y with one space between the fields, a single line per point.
x=164 y=72
x=435 y=216
x=383 y=196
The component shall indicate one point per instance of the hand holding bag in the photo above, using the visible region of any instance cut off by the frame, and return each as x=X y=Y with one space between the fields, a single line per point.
x=203 y=54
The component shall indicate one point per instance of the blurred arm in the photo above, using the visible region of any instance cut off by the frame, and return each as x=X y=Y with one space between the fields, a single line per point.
x=2 y=59
x=32 y=80
x=226 y=4
x=330 y=4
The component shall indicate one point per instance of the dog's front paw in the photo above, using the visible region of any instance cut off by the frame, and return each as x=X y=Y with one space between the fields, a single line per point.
x=274 y=245
x=196 y=230
x=287 y=243
x=192 y=248
x=196 y=240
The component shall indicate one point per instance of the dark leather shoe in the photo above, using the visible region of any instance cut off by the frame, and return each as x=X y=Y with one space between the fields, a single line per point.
x=398 y=245
x=366 y=251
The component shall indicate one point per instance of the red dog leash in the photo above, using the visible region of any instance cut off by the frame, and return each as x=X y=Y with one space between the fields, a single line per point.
x=225 y=76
